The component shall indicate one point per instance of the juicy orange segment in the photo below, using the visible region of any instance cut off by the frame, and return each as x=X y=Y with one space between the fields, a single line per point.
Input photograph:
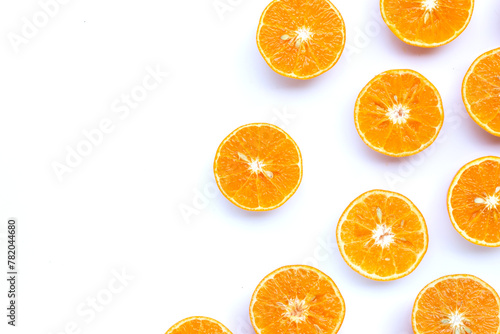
x=382 y=235
x=457 y=304
x=297 y=300
x=427 y=23
x=474 y=201
x=481 y=91
x=258 y=167
x=198 y=325
x=399 y=113
x=301 y=39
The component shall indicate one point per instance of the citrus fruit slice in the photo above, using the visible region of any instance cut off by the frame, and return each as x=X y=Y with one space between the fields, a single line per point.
x=297 y=300
x=456 y=304
x=481 y=91
x=258 y=167
x=474 y=201
x=382 y=235
x=399 y=113
x=301 y=39
x=427 y=23
x=198 y=325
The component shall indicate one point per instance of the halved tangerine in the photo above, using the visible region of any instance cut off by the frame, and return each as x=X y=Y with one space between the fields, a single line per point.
x=427 y=23
x=399 y=113
x=481 y=91
x=474 y=201
x=258 y=167
x=297 y=300
x=457 y=304
x=382 y=235
x=198 y=325
x=301 y=39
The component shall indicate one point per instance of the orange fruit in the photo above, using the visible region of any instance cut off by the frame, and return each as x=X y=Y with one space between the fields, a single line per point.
x=297 y=300
x=481 y=91
x=382 y=235
x=399 y=113
x=474 y=201
x=427 y=23
x=301 y=39
x=198 y=325
x=258 y=167
x=456 y=304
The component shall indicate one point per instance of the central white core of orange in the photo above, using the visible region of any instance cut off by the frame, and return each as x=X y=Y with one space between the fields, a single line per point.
x=383 y=236
x=429 y=4
x=304 y=34
x=296 y=310
x=491 y=201
x=457 y=322
x=398 y=114
x=256 y=166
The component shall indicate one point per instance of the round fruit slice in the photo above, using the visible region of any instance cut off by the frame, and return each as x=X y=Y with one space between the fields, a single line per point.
x=301 y=39
x=258 y=167
x=198 y=325
x=399 y=113
x=481 y=91
x=474 y=201
x=382 y=235
x=297 y=300
x=427 y=23
x=457 y=304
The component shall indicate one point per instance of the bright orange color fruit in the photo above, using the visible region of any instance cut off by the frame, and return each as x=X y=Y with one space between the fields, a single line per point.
x=301 y=39
x=481 y=91
x=297 y=300
x=382 y=235
x=198 y=325
x=457 y=304
x=399 y=113
x=258 y=167
x=427 y=23
x=474 y=201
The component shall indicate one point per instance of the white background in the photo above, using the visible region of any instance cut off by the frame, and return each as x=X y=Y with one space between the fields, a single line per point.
x=120 y=208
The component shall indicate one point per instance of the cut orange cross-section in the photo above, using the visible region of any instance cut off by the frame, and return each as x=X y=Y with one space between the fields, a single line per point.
x=427 y=23
x=457 y=304
x=481 y=91
x=258 y=167
x=297 y=300
x=198 y=325
x=474 y=201
x=399 y=113
x=382 y=235
x=301 y=39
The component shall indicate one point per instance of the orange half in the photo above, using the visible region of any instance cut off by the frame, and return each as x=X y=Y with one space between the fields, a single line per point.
x=382 y=235
x=399 y=113
x=297 y=300
x=427 y=23
x=457 y=304
x=481 y=91
x=198 y=325
x=474 y=201
x=258 y=167
x=301 y=39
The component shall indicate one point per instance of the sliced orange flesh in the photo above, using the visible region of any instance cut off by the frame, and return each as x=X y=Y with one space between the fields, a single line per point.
x=457 y=304
x=198 y=325
x=301 y=39
x=474 y=201
x=258 y=167
x=297 y=300
x=481 y=91
x=382 y=235
x=427 y=23
x=399 y=113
